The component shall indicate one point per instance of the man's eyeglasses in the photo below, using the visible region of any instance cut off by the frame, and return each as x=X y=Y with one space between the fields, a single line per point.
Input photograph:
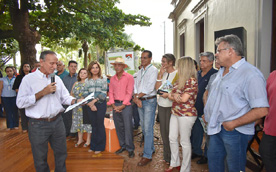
x=144 y=57
x=219 y=50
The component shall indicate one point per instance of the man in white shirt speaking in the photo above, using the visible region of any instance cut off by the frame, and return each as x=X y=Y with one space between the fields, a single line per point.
x=42 y=98
x=145 y=98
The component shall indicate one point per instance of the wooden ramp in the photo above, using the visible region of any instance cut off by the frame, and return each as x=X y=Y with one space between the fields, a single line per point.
x=16 y=155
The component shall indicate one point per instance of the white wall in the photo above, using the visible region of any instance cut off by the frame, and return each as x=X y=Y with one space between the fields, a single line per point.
x=253 y=15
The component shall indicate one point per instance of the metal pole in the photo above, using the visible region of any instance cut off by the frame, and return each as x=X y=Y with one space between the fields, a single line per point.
x=164 y=37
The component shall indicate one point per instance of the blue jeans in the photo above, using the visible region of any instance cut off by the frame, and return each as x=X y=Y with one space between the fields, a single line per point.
x=197 y=138
x=229 y=147
x=11 y=109
x=147 y=116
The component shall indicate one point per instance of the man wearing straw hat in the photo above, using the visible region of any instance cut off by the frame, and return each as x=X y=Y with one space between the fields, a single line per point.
x=120 y=93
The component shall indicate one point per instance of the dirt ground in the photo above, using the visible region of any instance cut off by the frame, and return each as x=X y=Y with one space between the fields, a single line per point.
x=156 y=165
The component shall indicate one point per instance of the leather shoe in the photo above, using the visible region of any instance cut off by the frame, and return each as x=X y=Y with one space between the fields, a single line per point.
x=131 y=154
x=195 y=156
x=171 y=169
x=135 y=127
x=143 y=161
x=120 y=150
x=202 y=160
x=141 y=154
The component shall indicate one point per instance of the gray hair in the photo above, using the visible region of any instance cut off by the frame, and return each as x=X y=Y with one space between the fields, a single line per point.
x=209 y=55
x=44 y=53
x=233 y=41
x=61 y=62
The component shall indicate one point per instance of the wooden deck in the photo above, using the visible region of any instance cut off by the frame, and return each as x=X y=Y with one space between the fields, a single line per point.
x=16 y=155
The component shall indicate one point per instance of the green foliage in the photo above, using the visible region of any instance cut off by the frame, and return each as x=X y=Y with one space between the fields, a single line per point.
x=99 y=21
x=9 y=47
x=156 y=64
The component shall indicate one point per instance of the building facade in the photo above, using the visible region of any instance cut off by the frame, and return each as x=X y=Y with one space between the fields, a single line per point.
x=197 y=23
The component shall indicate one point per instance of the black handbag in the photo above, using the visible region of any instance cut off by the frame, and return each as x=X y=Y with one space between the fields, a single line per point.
x=85 y=112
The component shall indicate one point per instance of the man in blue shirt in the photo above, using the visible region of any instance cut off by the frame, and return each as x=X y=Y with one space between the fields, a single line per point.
x=69 y=81
x=203 y=76
x=237 y=98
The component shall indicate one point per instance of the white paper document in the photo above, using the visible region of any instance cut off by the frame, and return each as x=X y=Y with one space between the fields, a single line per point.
x=89 y=97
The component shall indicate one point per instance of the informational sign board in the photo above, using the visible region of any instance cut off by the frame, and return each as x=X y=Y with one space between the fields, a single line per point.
x=129 y=58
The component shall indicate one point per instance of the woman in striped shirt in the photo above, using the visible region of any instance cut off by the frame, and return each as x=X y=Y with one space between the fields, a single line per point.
x=96 y=109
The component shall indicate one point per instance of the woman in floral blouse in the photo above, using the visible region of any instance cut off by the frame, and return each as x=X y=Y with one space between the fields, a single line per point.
x=78 y=124
x=184 y=113
x=96 y=109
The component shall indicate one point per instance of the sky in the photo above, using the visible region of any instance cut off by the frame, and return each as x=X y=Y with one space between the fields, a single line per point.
x=151 y=38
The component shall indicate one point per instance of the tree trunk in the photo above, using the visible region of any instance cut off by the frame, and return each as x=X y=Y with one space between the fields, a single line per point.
x=98 y=52
x=26 y=37
x=85 y=50
x=14 y=60
x=105 y=62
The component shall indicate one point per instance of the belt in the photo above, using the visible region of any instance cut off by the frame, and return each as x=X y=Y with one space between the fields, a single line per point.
x=118 y=101
x=49 y=119
x=147 y=98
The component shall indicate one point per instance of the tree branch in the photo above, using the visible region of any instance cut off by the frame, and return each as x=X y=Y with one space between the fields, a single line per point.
x=5 y=34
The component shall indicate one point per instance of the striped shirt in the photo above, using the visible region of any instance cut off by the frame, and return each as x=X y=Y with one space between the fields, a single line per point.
x=98 y=86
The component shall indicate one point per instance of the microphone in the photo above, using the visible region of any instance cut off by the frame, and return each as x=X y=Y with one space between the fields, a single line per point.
x=52 y=75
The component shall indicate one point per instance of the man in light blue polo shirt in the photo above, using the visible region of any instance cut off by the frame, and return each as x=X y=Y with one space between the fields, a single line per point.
x=237 y=98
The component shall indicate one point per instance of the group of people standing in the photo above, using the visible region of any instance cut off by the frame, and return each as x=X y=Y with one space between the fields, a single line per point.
x=228 y=102
x=8 y=90
x=90 y=117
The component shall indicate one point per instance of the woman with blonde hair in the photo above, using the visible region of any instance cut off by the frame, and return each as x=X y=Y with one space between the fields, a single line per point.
x=96 y=109
x=184 y=113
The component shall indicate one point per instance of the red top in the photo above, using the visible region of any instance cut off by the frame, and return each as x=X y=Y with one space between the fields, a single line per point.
x=121 y=89
x=269 y=124
x=187 y=108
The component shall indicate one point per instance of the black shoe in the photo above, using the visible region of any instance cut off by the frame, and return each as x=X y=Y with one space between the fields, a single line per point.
x=135 y=127
x=120 y=150
x=131 y=154
x=202 y=160
x=195 y=156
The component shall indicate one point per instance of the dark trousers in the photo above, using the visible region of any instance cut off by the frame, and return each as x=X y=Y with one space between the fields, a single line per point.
x=40 y=134
x=135 y=115
x=24 y=119
x=11 y=109
x=67 y=120
x=1 y=111
x=196 y=138
x=98 y=137
x=268 y=152
x=164 y=119
x=124 y=129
